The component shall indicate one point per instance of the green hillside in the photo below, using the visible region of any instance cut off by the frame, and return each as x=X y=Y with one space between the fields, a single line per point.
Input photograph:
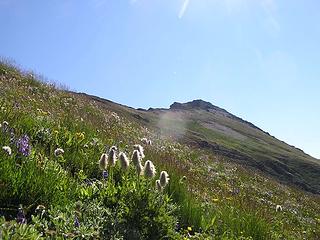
x=214 y=191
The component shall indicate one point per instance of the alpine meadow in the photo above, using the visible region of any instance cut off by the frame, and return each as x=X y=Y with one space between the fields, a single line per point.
x=75 y=166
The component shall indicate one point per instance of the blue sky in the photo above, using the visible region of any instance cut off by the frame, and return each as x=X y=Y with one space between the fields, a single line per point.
x=259 y=59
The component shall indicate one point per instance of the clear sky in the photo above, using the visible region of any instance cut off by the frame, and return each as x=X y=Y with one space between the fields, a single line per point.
x=258 y=59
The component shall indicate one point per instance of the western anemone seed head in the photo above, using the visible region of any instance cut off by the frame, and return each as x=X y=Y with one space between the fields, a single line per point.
x=140 y=149
x=139 y=169
x=164 y=178
x=278 y=208
x=158 y=186
x=58 y=152
x=124 y=162
x=144 y=140
x=7 y=149
x=5 y=124
x=136 y=159
x=112 y=158
x=149 y=169
x=114 y=148
x=103 y=163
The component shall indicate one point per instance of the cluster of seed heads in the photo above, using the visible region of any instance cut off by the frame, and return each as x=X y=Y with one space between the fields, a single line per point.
x=148 y=169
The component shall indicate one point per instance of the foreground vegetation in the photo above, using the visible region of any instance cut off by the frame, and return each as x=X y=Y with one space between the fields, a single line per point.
x=48 y=195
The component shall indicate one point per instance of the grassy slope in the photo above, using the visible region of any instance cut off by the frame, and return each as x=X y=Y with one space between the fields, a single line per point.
x=252 y=146
x=223 y=198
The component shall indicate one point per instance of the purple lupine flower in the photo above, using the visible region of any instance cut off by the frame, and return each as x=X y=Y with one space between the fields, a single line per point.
x=23 y=145
x=76 y=222
x=105 y=174
x=21 y=218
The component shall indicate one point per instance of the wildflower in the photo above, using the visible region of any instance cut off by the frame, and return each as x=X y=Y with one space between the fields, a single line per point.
x=21 y=218
x=12 y=136
x=158 y=185
x=144 y=140
x=124 y=162
x=164 y=178
x=114 y=148
x=149 y=142
x=58 y=152
x=136 y=159
x=76 y=222
x=23 y=145
x=7 y=149
x=40 y=210
x=215 y=200
x=278 y=208
x=149 y=169
x=105 y=174
x=189 y=229
x=103 y=163
x=182 y=180
x=112 y=158
x=80 y=136
x=140 y=149
x=5 y=126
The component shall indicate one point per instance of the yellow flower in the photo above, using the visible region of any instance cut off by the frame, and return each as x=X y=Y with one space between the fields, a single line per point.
x=80 y=136
x=189 y=229
x=215 y=200
x=229 y=198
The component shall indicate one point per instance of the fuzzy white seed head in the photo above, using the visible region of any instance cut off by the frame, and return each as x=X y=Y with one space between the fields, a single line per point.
x=136 y=159
x=164 y=178
x=140 y=149
x=144 y=140
x=112 y=158
x=103 y=163
x=139 y=169
x=58 y=152
x=114 y=148
x=5 y=124
x=158 y=186
x=278 y=208
x=149 y=169
x=124 y=162
x=7 y=149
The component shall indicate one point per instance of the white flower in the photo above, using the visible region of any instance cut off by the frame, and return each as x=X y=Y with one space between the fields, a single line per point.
x=7 y=149
x=124 y=162
x=58 y=152
x=149 y=169
x=103 y=163
x=164 y=178
x=278 y=208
